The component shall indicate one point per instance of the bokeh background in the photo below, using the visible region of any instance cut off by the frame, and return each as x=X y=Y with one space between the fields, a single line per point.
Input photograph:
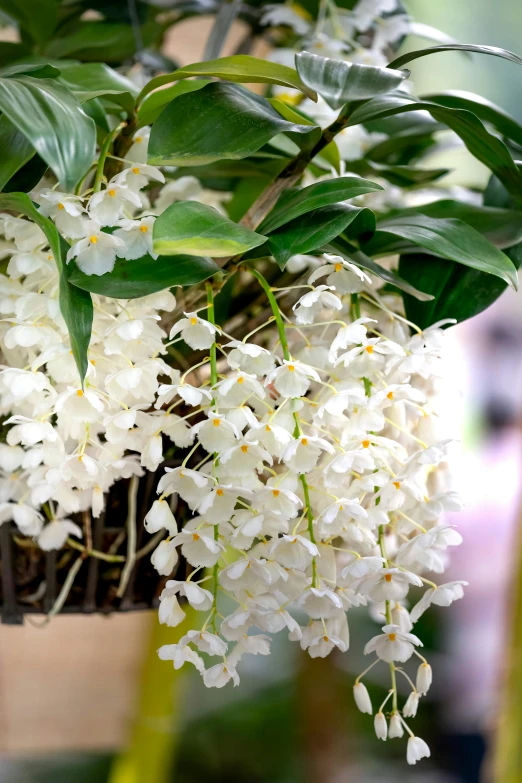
x=85 y=699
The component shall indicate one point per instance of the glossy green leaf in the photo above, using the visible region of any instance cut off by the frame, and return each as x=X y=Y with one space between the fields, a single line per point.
x=340 y=82
x=75 y=305
x=502 y=227
x=459 y=292
x=240 y=122
x=51 y=119
x=359 y=258
x=485 y=110
x=193 y=228
x=37 y=18
x=144 y=276
x=94 y=80
x=316 y=228
x=16 y=150
x=483 y=145
x=154 y=103
x=10 y=52
x=237 y=68
x=454 y=47
x=38 y=70
x=450 y=238
x=291 y=204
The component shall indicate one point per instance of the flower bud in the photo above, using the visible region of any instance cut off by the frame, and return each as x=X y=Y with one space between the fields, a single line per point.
x=380 y=725
x=395 y=730
x=424 y=678
x=362 y=698
x=416 y=750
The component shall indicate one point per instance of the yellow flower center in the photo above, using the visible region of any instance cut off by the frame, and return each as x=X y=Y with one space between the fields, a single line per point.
x=244 y=449
x=61 y=206
x=397 y=484
x=325 y=639
x=79 y=393
x=216 y=422
x=369 y=348
x=219 y=493
x=387 y=577
x=291 y=367
x=392 y=637
x=193 y=321
x=93 y=240
x=138 y=140
x=268 y=428
x=338 y=267
x=240 y=380
x=390 y=395
x=195 y=537
x=144 y=229
x=135 y=170
x=111 y=192
x=365 y=444
x=276 y=492
x=304 y=441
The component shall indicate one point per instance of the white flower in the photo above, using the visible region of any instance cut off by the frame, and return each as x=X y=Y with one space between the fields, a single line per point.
x=344 y=277
x=165 y=557
x=424 y=678
x=55 y=534
x=443 y=595
x=292 y=378
x=218 y=676
x=276 y=15
x=380 y=725
x=362 y=698
x=197 y=333
x=137 y=238
x=390 y=584
x=310 y=306
x=395 y=730
x=198 y=548
x=416 y=750
x=411 y=705
x=249 y=357
x=160 y=517
x=107 y=206
x=138 y=176
x=393 y=644
x=302 y=454
x=366 y=11
x=96 y=254
x=67 y=212
x=181 y=654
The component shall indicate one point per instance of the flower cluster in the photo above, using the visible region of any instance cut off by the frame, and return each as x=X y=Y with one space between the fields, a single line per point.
x=67 y=443
x=317 y=488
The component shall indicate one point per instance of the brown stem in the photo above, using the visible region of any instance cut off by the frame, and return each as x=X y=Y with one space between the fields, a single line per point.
x=292 y=173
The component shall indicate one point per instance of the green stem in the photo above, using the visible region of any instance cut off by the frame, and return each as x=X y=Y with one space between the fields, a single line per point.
x=382 y=547
x=211 y=314
x=356 y=314
x=98 y=179
x=297 y=432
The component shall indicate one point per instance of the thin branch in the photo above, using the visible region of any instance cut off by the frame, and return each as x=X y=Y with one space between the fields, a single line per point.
x=131 y=528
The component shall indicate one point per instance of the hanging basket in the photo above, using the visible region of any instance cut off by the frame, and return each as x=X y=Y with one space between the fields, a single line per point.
x=89 y=576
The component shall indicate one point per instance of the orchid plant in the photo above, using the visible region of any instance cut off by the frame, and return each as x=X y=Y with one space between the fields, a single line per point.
x=261 y=285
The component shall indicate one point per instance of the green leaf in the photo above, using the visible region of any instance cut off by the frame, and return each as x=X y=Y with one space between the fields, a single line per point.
x=144 y=276
x=293 y=203
x=237 y=68
x=94 y=80
x=402 y=176
x=38 y=70
x=75 y=305
x=459 y=292
x=453 y=239
x=311 y=231
x=483 y=145
x=193 y=228
x=340 y=82
x=37 y=18
x=109 y=41
x=241 y=124
x=155 y=102
x=10 y=52
x=51 y=119
x=359 y=258
x=454 y=47
x=485 y=110
x=16 y=150
x=502 y=227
